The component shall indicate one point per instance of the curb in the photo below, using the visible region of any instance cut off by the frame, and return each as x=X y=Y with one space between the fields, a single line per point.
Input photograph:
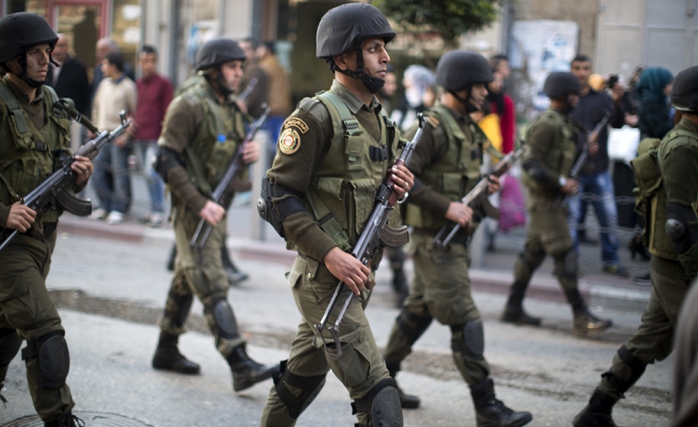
x=541 y=287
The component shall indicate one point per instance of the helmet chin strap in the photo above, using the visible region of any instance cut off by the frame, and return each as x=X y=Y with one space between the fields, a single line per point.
x=372 y=84
x=469 y=106
x=220 y=84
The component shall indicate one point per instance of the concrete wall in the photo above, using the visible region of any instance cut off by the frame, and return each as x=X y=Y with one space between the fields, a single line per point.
x=583 y=12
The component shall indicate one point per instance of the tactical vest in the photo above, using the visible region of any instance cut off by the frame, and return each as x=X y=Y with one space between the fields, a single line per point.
x=342 y=192
x=28 y=155
x=651 y=198
x=560 y=155
x=456 y=173
x=209 y=154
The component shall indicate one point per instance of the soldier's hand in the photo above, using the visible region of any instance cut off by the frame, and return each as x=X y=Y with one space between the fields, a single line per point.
x=459 y=213
x=250 y=152
x=348 y=269
x=403 y=180
x=593 y=149
x=570 y=187
x=212 y=212
x=20 y=218
x=83 y=168
x=493 y=184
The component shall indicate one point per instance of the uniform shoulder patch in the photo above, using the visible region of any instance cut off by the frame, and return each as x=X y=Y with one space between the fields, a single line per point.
x=433 y=121
x=297 y=123
x=289 y=141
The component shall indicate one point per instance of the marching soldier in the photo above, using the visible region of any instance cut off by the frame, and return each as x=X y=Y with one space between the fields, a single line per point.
x=333 y=153
x=551 y=140
x=202 y=131
x=671 y=224
x=35 y=140
x=446 y=164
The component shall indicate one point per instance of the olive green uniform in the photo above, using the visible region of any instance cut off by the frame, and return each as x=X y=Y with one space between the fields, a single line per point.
x=550 y=141
x=332 y=167
x=33 y=143
x=671 y=273
x=205 y=133
x=446 y=164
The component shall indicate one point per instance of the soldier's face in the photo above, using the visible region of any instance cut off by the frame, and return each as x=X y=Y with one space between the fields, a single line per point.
x=376 y=58
x=232 y=73
x=37 y=62
x=479 y=94
x=582 y=70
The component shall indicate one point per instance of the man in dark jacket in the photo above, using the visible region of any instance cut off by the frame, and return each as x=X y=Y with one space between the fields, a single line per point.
x=70 y=78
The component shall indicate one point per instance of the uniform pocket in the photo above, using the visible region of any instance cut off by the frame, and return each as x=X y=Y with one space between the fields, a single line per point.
x=452 y=183
x=353 y=367
x=18 y=306
x=353 y=154
x=25 y=175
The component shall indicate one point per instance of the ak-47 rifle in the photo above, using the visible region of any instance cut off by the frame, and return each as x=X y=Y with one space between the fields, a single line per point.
x=54 y=188
x=375 y=234
x=248 y=89
x=203 y=230
x=583 y=156
x=478 y=195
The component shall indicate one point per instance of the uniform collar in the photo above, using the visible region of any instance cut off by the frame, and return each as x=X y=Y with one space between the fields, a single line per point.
x=460 y=118
x=21 y=96
x=353 y=102
x=693 y=127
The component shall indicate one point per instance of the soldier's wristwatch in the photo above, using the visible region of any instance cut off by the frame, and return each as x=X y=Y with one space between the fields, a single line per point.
x=562 y=181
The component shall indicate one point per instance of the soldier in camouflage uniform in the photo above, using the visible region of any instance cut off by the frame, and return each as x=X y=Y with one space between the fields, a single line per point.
x=446 y=164
x=551 y=151
x=35 y=139
x=333 y=153
x=666 y=179
x=202 y=131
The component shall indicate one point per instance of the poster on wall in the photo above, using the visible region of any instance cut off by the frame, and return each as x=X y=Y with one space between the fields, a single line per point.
x=536 y=49
x=199 y=33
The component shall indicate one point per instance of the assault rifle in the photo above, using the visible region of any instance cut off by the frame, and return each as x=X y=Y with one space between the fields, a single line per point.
x=477 y=194
x=54 y=188
x=248 y=89
x=219 y=194
x=375 y=235
x=583 y=156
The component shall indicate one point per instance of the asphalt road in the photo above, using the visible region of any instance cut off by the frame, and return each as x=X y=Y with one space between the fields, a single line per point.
x=111 y=292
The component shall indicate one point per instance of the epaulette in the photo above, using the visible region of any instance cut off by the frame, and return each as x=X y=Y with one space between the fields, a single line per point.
x=433 y=121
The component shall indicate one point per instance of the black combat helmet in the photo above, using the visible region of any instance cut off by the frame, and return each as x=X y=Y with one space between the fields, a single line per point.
x=21 y=31
x=684 y=93
x=559 y=84
x=461 y=69
x=344 y=28
x=216 y=52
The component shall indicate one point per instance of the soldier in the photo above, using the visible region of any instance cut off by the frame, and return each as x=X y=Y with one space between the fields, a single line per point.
x=446 y=165
x=35 y=139
x=551 y=138
x=203 y=128
x=332 y=155
x=670 y=200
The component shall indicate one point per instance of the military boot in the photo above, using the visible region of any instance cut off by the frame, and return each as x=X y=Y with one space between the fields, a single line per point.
x=168 y=357
x=247 y=372
x=597 y=413
x=400 y=286
x=585 y=322
x=513 y=311
x=65 y=420
x=492 y=412
x=407 y=401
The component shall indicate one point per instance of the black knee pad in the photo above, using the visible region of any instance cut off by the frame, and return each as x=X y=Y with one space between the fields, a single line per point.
x=184 y=303
x=566 y=265
x=9 y=345
x=224 y=319
x=311 y=387
x=411 y=325
x=51 y=350
x=383 y=403
x=469 y=339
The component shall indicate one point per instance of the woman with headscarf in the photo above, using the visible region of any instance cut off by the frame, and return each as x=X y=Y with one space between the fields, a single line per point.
x=416 y=80
x=652 y=92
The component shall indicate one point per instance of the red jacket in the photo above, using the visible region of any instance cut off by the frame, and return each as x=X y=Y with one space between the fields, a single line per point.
x=154 y=95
